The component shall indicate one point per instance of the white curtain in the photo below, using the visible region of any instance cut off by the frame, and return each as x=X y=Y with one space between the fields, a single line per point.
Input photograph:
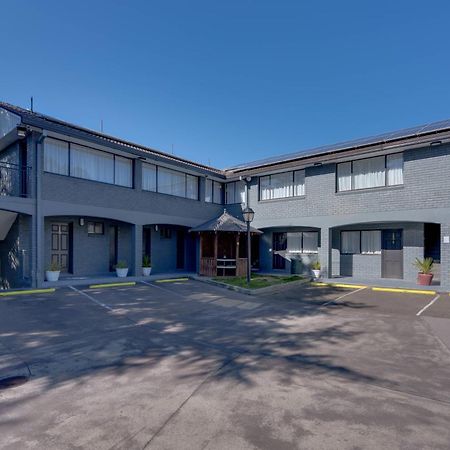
x=123 y=171
x=299 y=183
x=350 y=241
x=91 y=164
x=264 y=188
x=310 y=241
x=56 y=156
x=294 y=242
x=230 y=193
x=217 y=192
x=371 y=242
x=171 y=182
x=149 y=177
x=369 y=172
x=281 y=185
x=395 y=169
x=192 y=187
x=344 y=173
x=208 y=191
x=240 y=192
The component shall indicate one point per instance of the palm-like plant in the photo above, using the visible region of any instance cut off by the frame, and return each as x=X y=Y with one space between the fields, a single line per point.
x=425 y=265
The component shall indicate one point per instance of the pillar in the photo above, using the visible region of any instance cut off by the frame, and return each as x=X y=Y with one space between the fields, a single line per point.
x=325 y=252
x=137 y=249
x=445 y=256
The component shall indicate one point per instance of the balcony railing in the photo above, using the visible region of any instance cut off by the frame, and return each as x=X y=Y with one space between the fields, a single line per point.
x=14 y=180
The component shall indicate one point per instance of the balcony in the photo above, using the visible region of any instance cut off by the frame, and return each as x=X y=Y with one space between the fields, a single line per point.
x=14 y=180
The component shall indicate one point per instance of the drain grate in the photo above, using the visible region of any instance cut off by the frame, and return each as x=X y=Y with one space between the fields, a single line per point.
x=10 y=382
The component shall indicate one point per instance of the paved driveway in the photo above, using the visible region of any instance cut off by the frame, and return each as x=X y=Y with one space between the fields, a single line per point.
x=189 y=365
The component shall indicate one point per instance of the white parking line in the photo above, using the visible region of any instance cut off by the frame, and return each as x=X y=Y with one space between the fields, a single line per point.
x=344 y=295
x=91 y=298
x=164 y=289
x=428 y=305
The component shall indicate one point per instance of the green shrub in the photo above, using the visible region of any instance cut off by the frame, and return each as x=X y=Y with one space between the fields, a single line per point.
x=146 y=261
x=315 y=265
x=54 y=267
x=122 y=265
x=425 y=265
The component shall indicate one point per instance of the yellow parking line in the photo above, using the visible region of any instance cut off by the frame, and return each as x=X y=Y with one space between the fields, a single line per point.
x=404 y=291
x=29 y=291
x=171 y=280
x=339 y=285
x=97 y=286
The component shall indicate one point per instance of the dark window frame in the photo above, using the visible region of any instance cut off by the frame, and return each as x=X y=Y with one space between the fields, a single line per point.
x=95 y=225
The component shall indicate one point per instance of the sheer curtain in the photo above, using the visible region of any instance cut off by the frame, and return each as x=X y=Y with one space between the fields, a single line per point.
x=91 y=164
x=344 y=173
x=371 y=242
x=230 y=193
x=299 y=183
x=395 y=169
x=294 y=242
x=192 y=187
x=264 y=188
x=171 y=182
x=123 y=171
x=369 y=172
x=281 y=185
x=208 y=191
x=217 y=192
x=310 y=241
x=56 y=156
x=240 y=192
x=149 y=177
x=350 y=241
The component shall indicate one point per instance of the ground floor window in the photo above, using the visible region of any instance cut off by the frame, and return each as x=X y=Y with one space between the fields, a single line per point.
x=365 y=242
x=303 y=242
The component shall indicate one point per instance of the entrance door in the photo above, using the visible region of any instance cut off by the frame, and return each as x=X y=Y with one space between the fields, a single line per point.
x=113 y=243
x=61 y=245
x=279 y=243
x=147 y=242
x=392 y=254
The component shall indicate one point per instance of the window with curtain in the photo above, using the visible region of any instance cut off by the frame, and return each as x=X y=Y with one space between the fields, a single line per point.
x=91 y=164
x=208 y=191
x=294 y=242
x=303 y=242
x=282 y=185
x=394 y=167
x=371 y=242
x=56 y=156
x=370 y=172
x=123 y=175
x=217 y=192
x=192 y=187
x=171 y=182
x=235 y=192
x=350 y=242
x=149 y=177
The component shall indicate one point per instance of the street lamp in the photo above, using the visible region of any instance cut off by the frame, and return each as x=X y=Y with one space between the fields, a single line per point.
x=248 y=215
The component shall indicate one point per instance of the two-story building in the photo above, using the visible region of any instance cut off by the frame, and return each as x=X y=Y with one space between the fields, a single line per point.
x=365 y=209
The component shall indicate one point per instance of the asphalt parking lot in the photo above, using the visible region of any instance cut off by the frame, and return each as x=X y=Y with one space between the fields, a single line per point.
x=188 y=365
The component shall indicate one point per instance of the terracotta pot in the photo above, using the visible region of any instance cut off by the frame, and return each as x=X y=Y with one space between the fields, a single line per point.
x=424 y=279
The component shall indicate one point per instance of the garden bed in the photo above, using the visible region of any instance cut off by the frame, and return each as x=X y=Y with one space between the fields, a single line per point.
x=258 y=281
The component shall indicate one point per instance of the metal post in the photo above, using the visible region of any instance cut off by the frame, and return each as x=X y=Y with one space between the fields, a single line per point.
x=249 y=258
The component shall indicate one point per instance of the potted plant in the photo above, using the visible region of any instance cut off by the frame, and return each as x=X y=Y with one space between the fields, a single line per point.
x=122 y=269
x=425 y=266
x=146 y=266
x=315 y=267
x=53 y=271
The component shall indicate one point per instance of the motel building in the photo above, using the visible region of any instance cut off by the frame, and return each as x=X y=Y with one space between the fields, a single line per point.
x=84 y=200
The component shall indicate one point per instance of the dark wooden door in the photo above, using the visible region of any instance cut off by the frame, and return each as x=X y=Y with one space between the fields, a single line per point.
x=61 y=245
x=392 y=254
x=279 y=244
x=113 y=244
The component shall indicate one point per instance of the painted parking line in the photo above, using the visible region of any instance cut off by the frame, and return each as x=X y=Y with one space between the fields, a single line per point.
x=428 y=305
x=344 y=295
x=163 y=289
x=106 y=285
x=171 y=280
x=27 y=291
x=338 y=285
x=92 y=299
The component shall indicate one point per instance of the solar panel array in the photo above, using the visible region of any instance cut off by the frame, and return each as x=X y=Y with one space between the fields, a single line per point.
x=347 y=145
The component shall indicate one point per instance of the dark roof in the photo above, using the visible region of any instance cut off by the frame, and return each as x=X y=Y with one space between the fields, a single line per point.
x=225 y=222
x=43 y=121
x=393 y=136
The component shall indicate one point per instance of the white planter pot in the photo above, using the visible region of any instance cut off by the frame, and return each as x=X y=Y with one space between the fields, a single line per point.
x=52 y=275
x=146 y=271
x=316 y=273
x=122 y=273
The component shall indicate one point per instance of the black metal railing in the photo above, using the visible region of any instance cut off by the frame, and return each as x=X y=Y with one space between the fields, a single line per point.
x=14 y=180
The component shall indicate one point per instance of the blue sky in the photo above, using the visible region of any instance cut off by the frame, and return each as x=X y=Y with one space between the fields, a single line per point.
x=229 y=81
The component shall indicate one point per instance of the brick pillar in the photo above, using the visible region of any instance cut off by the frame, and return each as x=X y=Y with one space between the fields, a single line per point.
x=136 y=237
x=445 y=256
x=325 y=252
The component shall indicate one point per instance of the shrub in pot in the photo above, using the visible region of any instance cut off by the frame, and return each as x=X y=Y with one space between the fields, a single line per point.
x=315 y=268
x=425 y=266
x=52 y=272
x=122 y=269
x=146 y=266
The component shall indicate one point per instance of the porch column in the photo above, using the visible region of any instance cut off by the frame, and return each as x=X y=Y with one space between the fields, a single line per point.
x=37 y=250
x=137 y=249
x=445 y=256
x=325 y=252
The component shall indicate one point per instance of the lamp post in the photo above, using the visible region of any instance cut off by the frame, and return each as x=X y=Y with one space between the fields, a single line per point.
x=248 y=215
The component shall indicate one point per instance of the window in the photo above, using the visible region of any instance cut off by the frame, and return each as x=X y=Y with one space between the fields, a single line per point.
x=303 y=242
x=95 y=228
x=165 y=233
x=123 y=171
x=171 y=182
x=366 y=242
x=192 y=187
x=370 y=172
x=91 y=164
x=213 y=192
x=149 y=177
x=235 y=192
x=56 y=156
x=282 y=185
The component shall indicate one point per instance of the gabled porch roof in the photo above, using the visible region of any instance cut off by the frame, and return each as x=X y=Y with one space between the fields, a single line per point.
x=225 y=222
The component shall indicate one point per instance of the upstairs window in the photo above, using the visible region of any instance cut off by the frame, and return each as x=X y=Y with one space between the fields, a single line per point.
x=282 y=185
x=56 y=156
x=213 y=192
x=370 y=172
x=235 y=192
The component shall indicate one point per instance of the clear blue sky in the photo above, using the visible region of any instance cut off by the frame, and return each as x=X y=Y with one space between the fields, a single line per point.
x=232 y=80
